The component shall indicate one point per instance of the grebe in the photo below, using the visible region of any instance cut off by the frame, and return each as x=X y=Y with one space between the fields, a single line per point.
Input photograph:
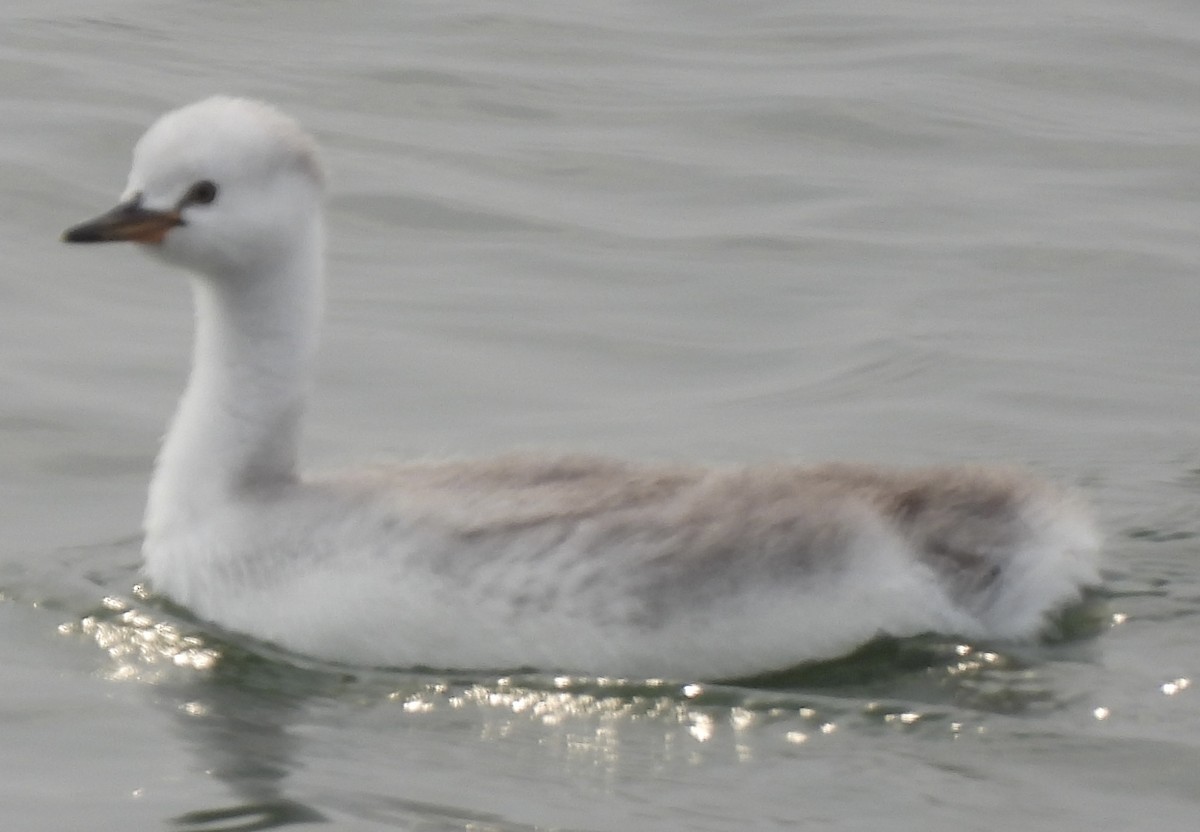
x=566 y=563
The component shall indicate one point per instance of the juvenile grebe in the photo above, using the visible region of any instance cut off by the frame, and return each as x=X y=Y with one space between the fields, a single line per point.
x=571 y=563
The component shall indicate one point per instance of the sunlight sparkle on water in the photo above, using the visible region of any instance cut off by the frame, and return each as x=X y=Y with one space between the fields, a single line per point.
x=136 y=642
x=741 y=718
x=416 y=705
x=702 y=727
x=1175 y=686
x=972 y=661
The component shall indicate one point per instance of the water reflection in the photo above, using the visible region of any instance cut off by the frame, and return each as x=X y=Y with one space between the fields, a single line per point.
x=238 y=733
x=241 y=738
x=238 y=706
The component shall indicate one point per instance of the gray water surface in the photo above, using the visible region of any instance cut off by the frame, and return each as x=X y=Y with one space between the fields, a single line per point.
x=906 y=232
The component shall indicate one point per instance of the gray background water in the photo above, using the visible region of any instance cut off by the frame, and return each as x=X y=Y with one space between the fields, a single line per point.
x=908 y=232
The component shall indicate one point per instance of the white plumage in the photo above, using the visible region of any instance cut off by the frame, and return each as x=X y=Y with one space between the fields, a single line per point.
x=563 y=563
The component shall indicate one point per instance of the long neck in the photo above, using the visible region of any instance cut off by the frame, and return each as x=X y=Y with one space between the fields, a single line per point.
x=238 y=423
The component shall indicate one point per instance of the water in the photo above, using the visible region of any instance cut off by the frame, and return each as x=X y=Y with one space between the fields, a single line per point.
x=913 y=232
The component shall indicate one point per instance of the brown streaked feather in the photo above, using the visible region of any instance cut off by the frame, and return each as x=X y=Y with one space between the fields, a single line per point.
x=961 y=521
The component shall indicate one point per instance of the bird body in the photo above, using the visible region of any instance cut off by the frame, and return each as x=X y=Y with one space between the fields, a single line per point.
x=573 y=563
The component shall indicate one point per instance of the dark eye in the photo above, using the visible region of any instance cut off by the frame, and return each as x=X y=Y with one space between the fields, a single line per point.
x=202 y=193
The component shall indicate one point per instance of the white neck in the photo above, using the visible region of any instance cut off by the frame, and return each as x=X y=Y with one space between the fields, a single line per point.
x=237 y=426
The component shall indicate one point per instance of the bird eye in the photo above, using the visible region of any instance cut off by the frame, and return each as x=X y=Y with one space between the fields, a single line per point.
x=202 y=193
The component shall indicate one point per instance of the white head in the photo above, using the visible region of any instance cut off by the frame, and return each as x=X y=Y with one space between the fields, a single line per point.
x=219 y=187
